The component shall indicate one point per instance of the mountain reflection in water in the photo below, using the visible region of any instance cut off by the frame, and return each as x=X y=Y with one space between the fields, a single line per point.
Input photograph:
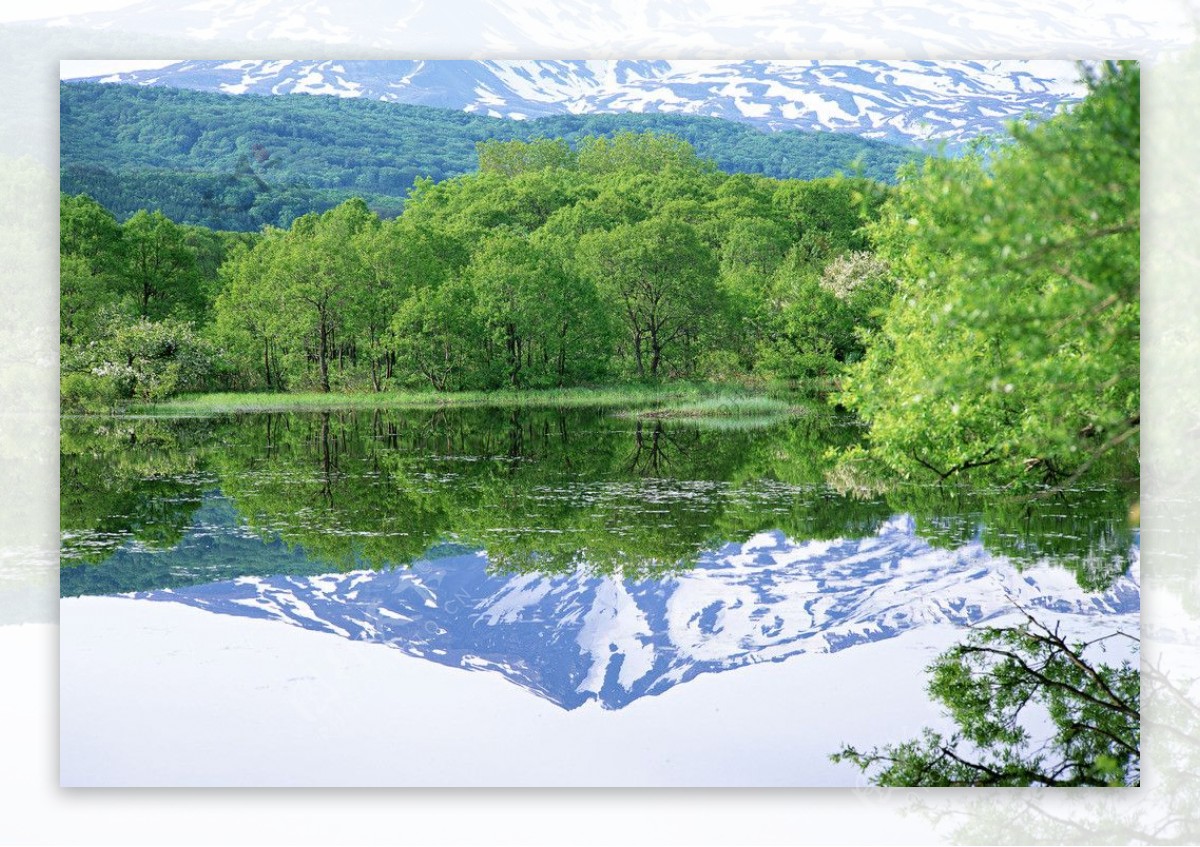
x=574 y=637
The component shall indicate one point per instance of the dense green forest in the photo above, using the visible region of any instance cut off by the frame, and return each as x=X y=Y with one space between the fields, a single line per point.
x=628 y=258
x=981 y=316
x=239 y=162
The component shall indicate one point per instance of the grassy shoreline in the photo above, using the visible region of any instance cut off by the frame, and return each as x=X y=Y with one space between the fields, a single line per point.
x=669 y=400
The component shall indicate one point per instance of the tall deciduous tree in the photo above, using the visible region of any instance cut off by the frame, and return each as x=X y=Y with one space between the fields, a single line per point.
x=251 y=313
x=438 y=336
x=514 y=157
x=89 y=231
x=1010 y=352
x=160 y=268
x=319 y=269
x=91 y=253
x=507 y=276
x=660 y=278
x=643 y=152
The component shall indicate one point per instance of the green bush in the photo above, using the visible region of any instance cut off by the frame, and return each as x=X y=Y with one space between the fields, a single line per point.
x=87 y=393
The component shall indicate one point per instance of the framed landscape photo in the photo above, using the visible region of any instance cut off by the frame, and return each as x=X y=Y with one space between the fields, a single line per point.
x=600 y=423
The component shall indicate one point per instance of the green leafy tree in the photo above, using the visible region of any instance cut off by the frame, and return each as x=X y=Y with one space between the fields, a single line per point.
x=89 y=231
x=989 y=686
x=603 y=205
x=822 y=317
x=826 y=216
x=250 y=314
x=401 y=259
x=474 y=206
x=751 y=251
x=661 y=279
x=580 y=330
x=863 y=286
x=388 y=274
x=160 y=268
x=1010 y=353
x=438 y=336
x=514 y=157
x=91 y=253
x=644 y=152
x=211 y=249
x=143 y=359
x=84 y=298
x=324 y=278
x=544 y=323
x=509 y=279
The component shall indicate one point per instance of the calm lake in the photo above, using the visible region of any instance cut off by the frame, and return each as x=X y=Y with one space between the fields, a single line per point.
x=589 y=564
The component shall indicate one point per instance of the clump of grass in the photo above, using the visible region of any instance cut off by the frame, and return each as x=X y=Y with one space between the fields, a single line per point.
x=723 y=405
x=731 y=424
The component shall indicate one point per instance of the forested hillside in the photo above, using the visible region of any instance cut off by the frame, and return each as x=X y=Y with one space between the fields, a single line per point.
x=239 y=162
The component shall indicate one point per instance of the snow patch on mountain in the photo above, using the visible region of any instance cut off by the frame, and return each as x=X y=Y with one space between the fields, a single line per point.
x=907 y=102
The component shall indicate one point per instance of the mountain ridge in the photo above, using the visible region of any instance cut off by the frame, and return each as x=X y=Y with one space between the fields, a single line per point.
x=239 y=162
x=922 y=104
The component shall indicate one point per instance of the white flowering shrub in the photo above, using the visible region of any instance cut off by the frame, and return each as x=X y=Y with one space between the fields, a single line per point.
x=135 y=359
x=846 y=275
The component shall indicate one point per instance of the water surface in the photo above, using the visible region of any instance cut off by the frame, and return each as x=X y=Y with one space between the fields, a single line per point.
x=580 y=555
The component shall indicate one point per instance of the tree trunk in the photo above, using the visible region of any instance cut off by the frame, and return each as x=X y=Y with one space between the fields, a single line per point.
x=323 y=355
x=326 y=459
x=514 y=354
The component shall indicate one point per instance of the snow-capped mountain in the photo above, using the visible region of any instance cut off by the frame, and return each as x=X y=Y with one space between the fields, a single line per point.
x=578 y=637
x=905 y=102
